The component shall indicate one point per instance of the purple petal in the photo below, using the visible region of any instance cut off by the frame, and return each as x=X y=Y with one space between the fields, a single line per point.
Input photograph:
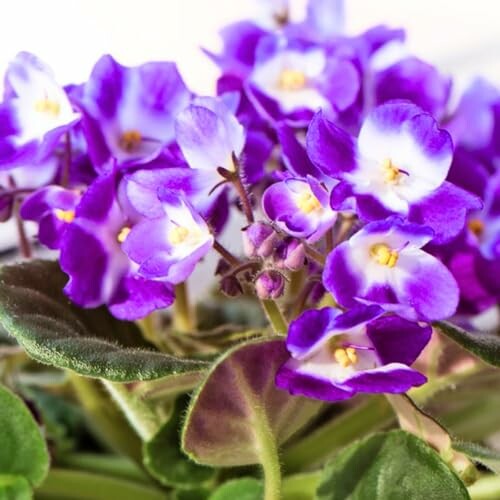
x=331 y=149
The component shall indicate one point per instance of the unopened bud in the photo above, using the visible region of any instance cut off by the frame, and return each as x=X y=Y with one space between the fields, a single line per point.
x=259 y=240
x=231 y=286
x=290 y=255
x=317 y=292
x=223 y=267
x=270 y=285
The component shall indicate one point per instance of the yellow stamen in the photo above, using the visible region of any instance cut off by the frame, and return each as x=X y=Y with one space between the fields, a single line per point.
x=48 y=107
x=177 y=235
x=307 y=202
x=130 y=140
x=122 y=235
x=391 y=172
x=65 y=215
x=476 y=226
x=384 y=255
x=345 y=356
x=291 y=79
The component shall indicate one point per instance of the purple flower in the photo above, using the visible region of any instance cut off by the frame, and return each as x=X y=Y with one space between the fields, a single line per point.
x=99 y=271
x=35 y=114
x=269 y=284
x=300 y=207
x=293 y=82
x=129 y=112
x=383 y=264
x=170 y=246
x=53 y=207
x=335 y=355
x=209 y=134
x=398 y=165
x=416 y=81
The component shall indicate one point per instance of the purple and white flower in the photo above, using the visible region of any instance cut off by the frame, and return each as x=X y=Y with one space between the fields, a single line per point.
x=129 y=112
x=292 y=82
x=335 y=355
x=300 y=207
x=398 y=165
x=169 y=247
x=53 y=207
x=383 y=264
x=99 y=270
x=35 y=114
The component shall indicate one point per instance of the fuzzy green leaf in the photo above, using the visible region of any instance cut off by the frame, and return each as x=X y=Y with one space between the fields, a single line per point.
x=238 y=407
x=484 y=346
x=390 y=466
x=91 y=342
x=23 y=451
x=14 y=488
x=245 y=488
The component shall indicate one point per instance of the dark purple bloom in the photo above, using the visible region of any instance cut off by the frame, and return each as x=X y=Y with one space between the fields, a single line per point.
x=53 y=207
x=129 y=112
x=398 y=165
x=99 y=271
x=383 y=264
x=35 y=114
x=269 y=285
x=260 y=240
x=334 y=356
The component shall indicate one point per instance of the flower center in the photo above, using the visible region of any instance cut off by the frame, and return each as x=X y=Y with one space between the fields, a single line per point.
x=292 y=79
x=476 y=227
x=345 y=356
x=130 y=140
x=307 y=202
x=48 y=107
x=178 y=235
x=65 y=215
x=392 y=174
x=384 y=255
x=122 y=235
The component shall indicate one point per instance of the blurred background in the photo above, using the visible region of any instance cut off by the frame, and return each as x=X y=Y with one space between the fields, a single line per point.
x=461 y=36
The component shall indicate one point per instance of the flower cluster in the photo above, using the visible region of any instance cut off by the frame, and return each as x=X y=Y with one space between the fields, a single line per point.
x=360 y=183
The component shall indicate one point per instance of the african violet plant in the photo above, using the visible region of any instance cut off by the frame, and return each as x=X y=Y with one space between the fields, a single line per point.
x=370 y=236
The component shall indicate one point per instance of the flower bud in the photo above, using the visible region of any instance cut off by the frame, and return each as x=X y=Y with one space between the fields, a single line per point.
x=290 y=255
x=269 y=285
x=222 y=267
x=231 y=286
x=317 y=292
x=259 y=240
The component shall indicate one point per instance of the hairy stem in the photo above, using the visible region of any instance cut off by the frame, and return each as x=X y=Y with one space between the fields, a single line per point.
x=138 y=413
x=275 y=316
x=184 y=314
x=226 y=254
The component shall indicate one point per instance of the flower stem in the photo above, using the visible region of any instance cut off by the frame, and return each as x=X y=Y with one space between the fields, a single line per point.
x=275 y=316
x=138 y=413
x=487 y=488
x=269 y=456
x=313 y=254
x=184 y=314
x=104 y=419
x=79 y=485
x=226 y=254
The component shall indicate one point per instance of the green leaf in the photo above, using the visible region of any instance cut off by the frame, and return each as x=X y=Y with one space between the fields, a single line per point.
x=484 y=346
x=165 y=461
x=193 y=494
x=245 y=488
x=486 y=456
x=23 y=451
x=91 y=342
x=14 y=488
x=238 y=408
x=390 y=466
